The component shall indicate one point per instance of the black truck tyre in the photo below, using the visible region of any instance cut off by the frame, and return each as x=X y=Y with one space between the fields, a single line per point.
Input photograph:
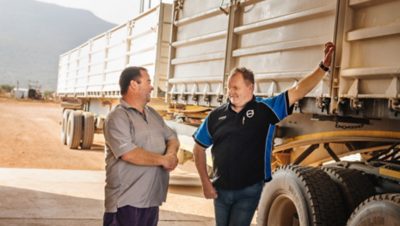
x=303 y=196
x=354 y=186
x=64 y=123
x=378 y=210
x=88 y=130
x=74 y=129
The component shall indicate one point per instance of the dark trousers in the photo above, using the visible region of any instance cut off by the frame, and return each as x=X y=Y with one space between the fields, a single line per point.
x=132 y=216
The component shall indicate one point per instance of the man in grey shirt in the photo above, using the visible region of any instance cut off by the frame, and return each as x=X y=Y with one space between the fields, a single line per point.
x=140 y=152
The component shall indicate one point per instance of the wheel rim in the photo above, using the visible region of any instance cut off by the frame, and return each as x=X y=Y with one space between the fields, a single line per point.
x=283 y=212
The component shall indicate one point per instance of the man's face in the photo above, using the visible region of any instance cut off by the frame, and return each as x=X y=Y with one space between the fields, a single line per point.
x=144 y=86
x=239 y=91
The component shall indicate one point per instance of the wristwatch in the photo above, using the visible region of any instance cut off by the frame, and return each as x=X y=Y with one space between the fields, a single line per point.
x=323 y=67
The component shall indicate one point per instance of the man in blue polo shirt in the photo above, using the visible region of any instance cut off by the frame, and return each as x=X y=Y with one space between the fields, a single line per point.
x=240 y=133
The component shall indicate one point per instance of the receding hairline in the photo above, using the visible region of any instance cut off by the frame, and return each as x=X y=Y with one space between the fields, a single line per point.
x=236 y=73
x=141 y=70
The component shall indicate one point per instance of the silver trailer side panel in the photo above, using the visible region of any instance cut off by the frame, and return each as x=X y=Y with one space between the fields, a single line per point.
x=93 y=69
x=281 y=41
x=197 y=61
x=270 y=37
x=370 y=65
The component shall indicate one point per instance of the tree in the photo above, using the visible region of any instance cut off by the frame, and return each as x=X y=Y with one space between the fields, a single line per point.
x=6 y=88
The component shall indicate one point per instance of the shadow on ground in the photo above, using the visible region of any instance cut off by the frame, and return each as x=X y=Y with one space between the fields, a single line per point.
x=35 y=208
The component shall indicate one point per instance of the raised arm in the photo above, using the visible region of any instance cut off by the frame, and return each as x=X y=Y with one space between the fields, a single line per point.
x=307 y=83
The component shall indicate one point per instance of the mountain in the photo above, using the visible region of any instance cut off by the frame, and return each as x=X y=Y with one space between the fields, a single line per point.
x=33 y=35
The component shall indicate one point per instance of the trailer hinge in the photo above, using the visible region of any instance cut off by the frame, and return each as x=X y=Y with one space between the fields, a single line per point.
x=323 y=103
x=178 y=7
x=394 y=104
x=224 y=9
x=356 y=104
x=179 y=4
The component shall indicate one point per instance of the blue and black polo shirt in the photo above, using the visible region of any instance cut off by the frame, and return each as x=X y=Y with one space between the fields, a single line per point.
x=242 y=142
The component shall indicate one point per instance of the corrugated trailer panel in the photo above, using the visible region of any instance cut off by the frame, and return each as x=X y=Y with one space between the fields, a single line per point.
x=62 y=73
x=370 y=65
x=281 y=41
x=199 y=50
x=96 y=64
x=144 y=41
x=163 y=50
x=115 y=57
x=72 y=71
x=270 y=37
x=93 y=69
x=82 y=68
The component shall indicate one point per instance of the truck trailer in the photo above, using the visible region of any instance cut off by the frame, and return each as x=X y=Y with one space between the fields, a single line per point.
x=353 y=112
x=88 y=75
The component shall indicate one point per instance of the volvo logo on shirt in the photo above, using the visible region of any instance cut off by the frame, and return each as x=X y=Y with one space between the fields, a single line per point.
x=222 y=117
x=250 y=113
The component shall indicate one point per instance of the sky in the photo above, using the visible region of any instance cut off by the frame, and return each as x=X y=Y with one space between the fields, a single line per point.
x=114 y=11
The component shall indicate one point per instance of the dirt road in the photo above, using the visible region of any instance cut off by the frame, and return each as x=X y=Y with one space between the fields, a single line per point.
x=30 y=138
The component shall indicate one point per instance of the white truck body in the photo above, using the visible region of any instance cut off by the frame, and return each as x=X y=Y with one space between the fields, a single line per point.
x=88 y=76
x=92 y=70
x=281 y=41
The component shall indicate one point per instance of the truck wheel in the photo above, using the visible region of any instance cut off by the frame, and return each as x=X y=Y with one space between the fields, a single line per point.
x=354 y=186
x=378 y=210
x=64 y=126
x=303 y=196
x=88 y=130
x=74 y=129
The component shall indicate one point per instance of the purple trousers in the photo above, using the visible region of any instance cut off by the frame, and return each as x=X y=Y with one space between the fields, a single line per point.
x=132 y=216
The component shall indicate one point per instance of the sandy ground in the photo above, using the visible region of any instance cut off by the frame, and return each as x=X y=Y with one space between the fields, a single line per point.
x=31 y=157
x=54 y=197
x=30 y=138
x=42 y=181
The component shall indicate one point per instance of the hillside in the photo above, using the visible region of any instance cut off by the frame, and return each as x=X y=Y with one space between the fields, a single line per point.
x=34 y=34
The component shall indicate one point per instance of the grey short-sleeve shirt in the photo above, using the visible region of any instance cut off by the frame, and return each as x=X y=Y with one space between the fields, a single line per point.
x=127 y=183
